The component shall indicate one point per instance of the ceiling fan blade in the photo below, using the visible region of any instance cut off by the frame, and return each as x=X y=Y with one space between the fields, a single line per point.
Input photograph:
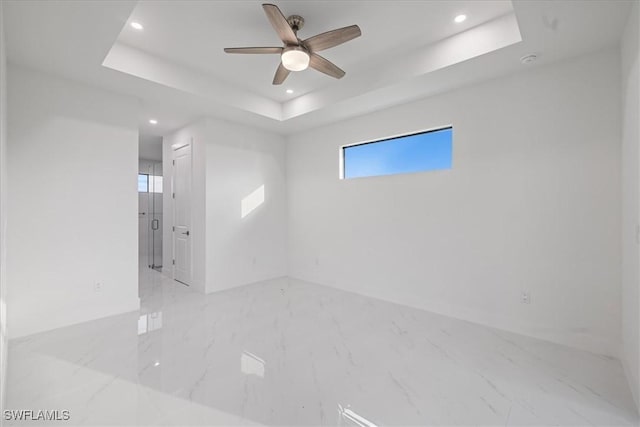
x=281 y=74
x=280 y=24
x=332 y=38
x=317 y=62
x=257 y=50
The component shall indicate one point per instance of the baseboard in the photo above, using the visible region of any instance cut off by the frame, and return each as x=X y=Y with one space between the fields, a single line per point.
x=252 y=282
x=634 y=383
x=23 y=332
x=591 y=343
x=4 y=353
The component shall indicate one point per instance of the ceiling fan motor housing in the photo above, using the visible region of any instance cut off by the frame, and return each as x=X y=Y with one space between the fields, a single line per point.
x=296 y=22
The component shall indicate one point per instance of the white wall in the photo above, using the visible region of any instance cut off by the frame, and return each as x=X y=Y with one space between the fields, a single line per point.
x=532 y=203
x=229 y=162
x=630 y=202
x=73 y=156
x=3 y=211
x=253 y=248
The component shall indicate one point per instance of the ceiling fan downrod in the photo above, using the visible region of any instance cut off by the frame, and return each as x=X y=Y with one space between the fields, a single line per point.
x=296 y=22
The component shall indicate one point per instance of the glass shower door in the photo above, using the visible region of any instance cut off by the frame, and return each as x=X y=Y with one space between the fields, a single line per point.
x=155 y=215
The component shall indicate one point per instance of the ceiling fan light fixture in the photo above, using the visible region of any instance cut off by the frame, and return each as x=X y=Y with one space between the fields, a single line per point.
x=295 y=58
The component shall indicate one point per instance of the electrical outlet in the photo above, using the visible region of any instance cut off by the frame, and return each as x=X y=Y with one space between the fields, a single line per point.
x=254 y=261
x=317 y=262
x=97 y=287
x=525 y=298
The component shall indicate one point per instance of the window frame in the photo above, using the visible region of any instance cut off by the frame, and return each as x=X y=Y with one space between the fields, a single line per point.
x=342 y=148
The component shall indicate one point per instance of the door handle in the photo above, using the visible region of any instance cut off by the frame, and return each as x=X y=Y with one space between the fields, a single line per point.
x=186 y=232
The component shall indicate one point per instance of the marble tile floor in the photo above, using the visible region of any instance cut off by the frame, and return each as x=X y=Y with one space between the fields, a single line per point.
x=286 y=352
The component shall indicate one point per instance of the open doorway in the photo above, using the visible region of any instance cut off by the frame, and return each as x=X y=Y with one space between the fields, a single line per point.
x=150 y=193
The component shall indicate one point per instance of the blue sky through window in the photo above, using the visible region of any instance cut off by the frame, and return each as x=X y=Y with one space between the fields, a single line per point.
x=143 y=183
x=413 y=153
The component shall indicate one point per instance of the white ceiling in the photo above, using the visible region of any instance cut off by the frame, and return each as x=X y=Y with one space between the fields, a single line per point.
x=409 y=49
x=200 y=30
x=150 y=147
x=402 y=40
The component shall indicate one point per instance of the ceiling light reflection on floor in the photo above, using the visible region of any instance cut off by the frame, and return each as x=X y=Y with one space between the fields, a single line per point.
x=149 y=322
x=348 y=417
x=250 y=364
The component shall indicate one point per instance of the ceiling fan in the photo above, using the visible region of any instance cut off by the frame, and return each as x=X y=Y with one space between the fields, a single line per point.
x=297 y=55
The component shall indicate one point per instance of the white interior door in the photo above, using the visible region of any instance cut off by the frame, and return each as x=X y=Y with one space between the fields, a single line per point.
x=182 y=214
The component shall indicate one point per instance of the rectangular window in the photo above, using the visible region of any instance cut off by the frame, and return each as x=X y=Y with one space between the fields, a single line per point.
x=155 y=184
x=143 y=183
x=418 y=152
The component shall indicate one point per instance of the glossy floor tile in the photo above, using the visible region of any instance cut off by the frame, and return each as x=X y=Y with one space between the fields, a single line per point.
x=286 y=352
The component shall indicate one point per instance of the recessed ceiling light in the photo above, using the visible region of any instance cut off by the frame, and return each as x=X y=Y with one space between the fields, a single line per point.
x=153 y=121
x=289 y=91
x=137 y=26
x=460 y=18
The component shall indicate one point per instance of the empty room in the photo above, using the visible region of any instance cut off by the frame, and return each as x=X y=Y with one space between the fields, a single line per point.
x=303 y=213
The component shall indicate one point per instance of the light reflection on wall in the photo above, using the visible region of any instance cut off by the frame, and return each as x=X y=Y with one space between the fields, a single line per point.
x=149 y=322
x=252 y=201
x=250 y=364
